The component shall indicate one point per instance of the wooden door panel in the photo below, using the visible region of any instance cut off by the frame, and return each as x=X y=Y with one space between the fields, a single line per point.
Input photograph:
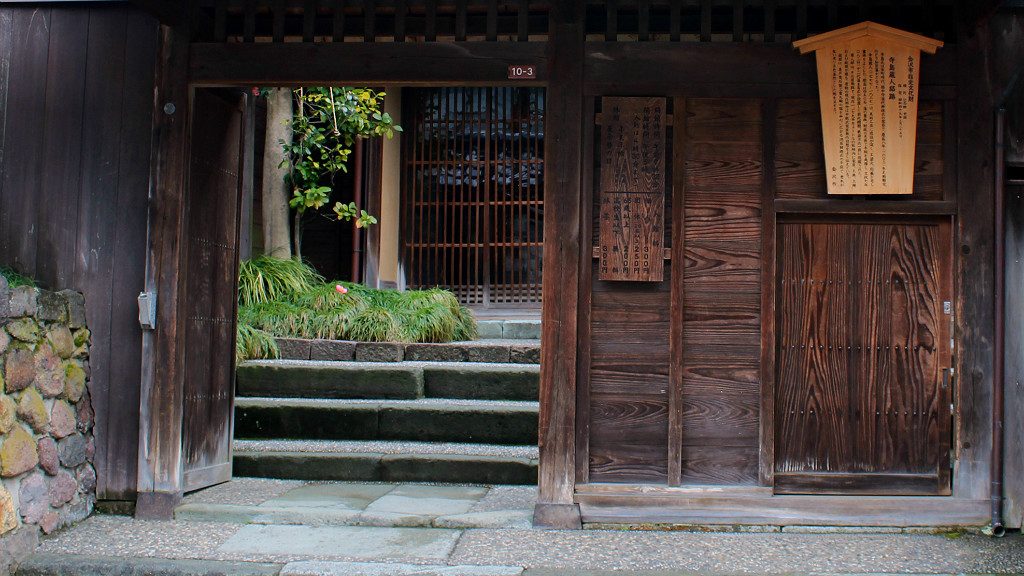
x=860 y=407
x=212 y=217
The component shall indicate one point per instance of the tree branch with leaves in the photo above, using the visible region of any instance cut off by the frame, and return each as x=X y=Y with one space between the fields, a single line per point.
x=325 y=126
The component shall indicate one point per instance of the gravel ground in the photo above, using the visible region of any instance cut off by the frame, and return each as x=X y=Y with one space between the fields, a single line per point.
x=507 y=498
x=385 y=447
x=741 y=553
x=589 y=550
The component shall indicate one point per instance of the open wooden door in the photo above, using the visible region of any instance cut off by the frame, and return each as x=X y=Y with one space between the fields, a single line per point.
x=212 y=215
x=862 y=390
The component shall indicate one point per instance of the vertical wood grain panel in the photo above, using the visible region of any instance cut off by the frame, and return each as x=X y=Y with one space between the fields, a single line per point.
x=860 y=350
x=721 y=326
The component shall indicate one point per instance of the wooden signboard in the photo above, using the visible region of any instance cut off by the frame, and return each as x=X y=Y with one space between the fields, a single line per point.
x=868 y=77
x=632 y=195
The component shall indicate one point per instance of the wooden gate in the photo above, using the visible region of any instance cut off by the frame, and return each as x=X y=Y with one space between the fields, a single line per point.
x=473 y=193
x=862 y=399
x=211 y=285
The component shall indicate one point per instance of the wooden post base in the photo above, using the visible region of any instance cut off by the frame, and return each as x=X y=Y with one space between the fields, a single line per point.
x=557 y=516
x=156 y=505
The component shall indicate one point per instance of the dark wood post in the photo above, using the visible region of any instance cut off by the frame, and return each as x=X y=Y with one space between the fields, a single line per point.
x=160 y=410
x=562 y=223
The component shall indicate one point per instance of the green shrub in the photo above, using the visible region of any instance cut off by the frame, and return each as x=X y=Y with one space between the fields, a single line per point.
x=15 y=279
x=265 y=279
x=285 y=298
x=254 y=344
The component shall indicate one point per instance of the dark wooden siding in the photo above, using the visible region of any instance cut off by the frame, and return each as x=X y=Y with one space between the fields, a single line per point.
x=722 y=302
x=738 y=158
x=76 y=99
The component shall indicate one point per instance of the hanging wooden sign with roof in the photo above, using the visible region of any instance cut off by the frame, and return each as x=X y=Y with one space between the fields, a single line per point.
x=868 y=77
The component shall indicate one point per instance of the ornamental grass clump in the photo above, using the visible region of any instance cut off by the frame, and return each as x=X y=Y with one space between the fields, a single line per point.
x=289 y=300
x=15 y=279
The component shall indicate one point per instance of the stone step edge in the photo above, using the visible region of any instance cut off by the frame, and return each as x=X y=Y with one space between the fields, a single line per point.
x=374 y=467
x=320 y=516
x=421 y=405
x=348 y=351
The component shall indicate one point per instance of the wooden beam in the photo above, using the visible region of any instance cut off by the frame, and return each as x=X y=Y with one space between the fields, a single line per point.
x=563 y=216
x=976 y=265
x=725 y=508
x=168 y=12
x=741 y=70
x=161 y=403
x=409 y=64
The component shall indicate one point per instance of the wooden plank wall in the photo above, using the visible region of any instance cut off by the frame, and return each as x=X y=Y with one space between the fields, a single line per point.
x=76 y=91
x=726 y=190
x=722 y=302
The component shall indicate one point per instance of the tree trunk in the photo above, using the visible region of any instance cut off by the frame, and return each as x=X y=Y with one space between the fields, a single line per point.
x=276 y=241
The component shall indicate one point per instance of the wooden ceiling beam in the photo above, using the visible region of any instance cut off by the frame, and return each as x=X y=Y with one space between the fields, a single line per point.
x=169 y=12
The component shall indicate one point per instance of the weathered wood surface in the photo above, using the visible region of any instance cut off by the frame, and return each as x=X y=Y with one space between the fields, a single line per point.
x=799 y=160
x=861 y=346
x=783 y=510
x=1014 y=366
x=162 y=400
x=869 y=88
x=410 y=64
x=632 y=198
x=721 y=307
x=76 y=93
x=563 y=220
x=210 y=283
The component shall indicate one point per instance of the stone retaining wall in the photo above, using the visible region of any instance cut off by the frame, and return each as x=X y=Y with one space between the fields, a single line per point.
x=47 y=479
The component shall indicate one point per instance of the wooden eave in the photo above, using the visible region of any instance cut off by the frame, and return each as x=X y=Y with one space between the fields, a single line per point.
x=817 y=42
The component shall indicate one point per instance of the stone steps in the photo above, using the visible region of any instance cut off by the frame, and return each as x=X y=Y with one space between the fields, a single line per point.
x=295 y=461
x=500 y=350
x=403 y=380
x=459 y=422
x=479 y=421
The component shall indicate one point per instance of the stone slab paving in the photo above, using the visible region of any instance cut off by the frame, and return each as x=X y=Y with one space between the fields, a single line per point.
x=362 y=504
x=293 y=529
x=361 y=543
x=589 y=552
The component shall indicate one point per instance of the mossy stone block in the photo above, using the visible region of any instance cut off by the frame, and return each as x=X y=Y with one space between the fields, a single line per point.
x=25 y=330
x=74 y=381
x=62 y=341
x=32 y=410
x=18 y=453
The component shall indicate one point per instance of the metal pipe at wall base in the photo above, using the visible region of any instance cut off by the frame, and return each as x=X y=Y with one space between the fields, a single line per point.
x=996 y=528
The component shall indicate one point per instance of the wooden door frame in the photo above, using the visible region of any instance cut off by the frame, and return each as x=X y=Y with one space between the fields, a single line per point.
x=183 y=67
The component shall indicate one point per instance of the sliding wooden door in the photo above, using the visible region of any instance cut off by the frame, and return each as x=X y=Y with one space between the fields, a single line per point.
x=862 y=401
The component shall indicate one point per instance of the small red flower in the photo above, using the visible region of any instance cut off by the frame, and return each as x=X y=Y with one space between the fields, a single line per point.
x=341 y=289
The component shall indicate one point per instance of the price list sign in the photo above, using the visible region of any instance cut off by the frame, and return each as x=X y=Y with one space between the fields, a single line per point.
x=868 y=78
x=632 y=194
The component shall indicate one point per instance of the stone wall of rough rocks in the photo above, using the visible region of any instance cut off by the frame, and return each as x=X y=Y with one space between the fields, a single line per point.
x=47 y=479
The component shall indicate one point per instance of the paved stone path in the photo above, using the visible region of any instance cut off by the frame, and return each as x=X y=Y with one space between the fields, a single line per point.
x=311 y=542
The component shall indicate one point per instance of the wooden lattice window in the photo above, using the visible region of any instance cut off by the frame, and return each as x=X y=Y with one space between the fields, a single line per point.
x=473 y=193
